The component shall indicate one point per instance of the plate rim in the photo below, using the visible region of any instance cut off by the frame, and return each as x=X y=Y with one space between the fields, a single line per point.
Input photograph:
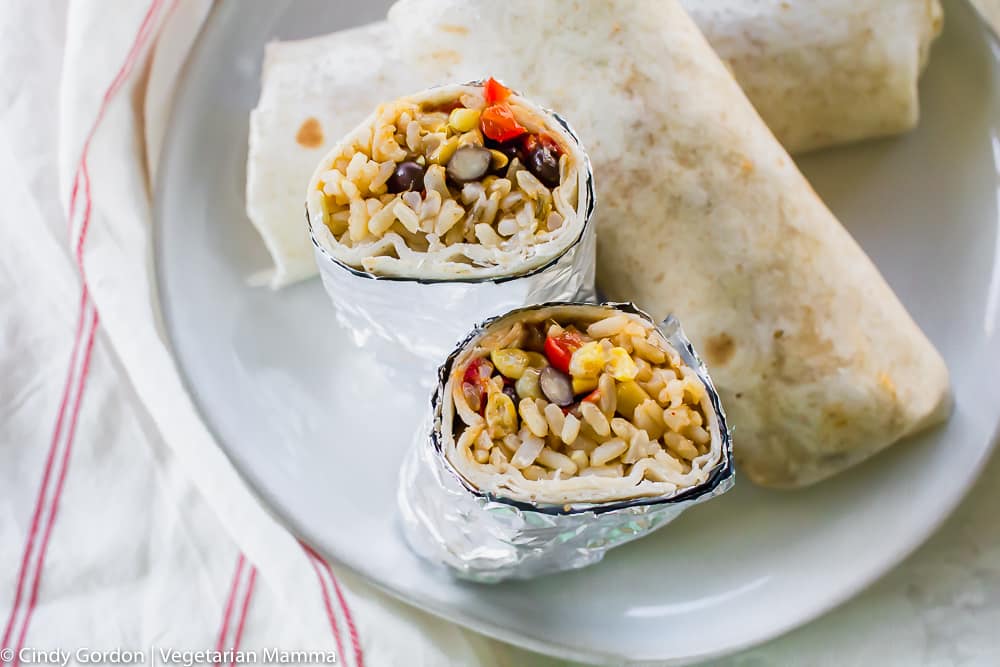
x=215 y=21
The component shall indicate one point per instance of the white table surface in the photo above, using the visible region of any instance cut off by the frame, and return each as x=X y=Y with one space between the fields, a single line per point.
x=939 y=608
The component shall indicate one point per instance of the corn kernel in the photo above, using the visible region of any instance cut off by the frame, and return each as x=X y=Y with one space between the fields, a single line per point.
x=587 y=361
x=443 y=152
x=620 y=365
x=497 y=159
x=501 y=419
x=463 y=120
x=630 y=395
x=511 y=362
x=582 y=384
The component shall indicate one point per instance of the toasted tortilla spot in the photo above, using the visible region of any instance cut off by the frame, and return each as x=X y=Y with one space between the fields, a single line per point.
x=887 y=384
x=454 y=29
x=719 y=349
x=310 y=134
x=447 y=56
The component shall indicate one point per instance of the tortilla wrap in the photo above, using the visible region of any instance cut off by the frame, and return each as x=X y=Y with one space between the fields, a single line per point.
x=820 y=73
x=704 y=215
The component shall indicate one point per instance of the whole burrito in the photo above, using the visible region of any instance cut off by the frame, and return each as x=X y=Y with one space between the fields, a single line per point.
x=820 y=73
x=704 y=215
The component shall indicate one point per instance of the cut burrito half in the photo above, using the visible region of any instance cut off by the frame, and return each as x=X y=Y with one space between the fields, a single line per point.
x=458 y=182
x=557 y=432
x=570 y=404
x=704 y=215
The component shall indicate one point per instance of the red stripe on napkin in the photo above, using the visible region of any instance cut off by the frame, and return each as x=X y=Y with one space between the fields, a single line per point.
x=243 y=614
x=84 y=339
x=228 y=613
x=318 y=562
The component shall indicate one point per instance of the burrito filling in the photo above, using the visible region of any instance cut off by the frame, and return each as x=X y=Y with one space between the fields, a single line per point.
x=596 y=395
x=472 y=175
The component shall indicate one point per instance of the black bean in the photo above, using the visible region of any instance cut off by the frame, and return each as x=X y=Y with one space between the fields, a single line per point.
x=508 y=388
x=408 y=176
x=510 y=148
x=556 y=386
x=469 y=163
x=543 y=162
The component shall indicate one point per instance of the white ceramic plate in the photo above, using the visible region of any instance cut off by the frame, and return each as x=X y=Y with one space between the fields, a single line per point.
x=296 y=407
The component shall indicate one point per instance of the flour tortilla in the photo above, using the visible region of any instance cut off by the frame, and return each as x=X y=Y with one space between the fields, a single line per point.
x=820 y=73
x=703 y=214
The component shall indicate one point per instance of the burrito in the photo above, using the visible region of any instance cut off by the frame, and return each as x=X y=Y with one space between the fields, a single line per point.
x=820 y=73
x=447 y=206
x=705 y=216
x=558 y=431
x=824 y=72
x=457 y=182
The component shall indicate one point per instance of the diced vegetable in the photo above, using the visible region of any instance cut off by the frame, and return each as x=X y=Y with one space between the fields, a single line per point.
x=497 y=159
x=511 y=362
x=478 y=371
x=527 y=385
x=629 y=396
x=559 y=349
x=494 y=91
x=463 y=120
x=582 y=385
x=501 y=417
x=498 y=123
x=537 y=360
x=620 y=365
x=587 y=361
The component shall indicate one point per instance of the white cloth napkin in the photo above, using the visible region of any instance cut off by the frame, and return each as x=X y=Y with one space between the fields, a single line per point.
x=122 y=525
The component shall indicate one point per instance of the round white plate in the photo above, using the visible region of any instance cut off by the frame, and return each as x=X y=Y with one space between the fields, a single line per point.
x=297 y=408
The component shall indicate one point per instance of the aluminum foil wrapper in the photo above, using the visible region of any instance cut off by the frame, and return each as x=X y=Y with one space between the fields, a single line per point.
x=408 y=321
x=485 y=538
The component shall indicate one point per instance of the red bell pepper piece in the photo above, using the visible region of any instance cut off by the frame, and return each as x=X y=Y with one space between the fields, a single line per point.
x=559 y=349
x=498 y=123
x=495 y=92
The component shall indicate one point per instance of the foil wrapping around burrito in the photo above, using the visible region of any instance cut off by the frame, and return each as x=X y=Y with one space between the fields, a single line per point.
x=413 y=320
x=486 y=538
